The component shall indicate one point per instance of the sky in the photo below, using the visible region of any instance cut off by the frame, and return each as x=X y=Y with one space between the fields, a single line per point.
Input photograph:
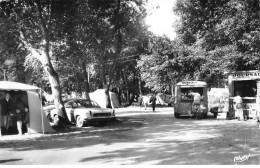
x=162 y=18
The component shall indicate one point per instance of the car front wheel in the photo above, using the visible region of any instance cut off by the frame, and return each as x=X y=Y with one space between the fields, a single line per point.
x=56 y=119
x=80 y=122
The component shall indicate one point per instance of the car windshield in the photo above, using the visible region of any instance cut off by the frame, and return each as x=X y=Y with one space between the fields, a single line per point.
x=81 y=103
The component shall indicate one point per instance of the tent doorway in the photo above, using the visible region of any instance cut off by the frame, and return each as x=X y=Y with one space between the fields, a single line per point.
x=31 y=97
x=9 y=127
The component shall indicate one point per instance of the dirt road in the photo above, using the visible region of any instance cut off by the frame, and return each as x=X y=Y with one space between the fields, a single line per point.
x=141 y=137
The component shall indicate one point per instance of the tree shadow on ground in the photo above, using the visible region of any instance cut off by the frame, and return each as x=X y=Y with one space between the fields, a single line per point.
x=9 y=160
x=189 y=142
x=158 y=139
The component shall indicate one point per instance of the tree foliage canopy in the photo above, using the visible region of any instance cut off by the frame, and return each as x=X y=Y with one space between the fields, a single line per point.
x=100 y=34
x=111 y=38
x=227 y=31
x=214 y=36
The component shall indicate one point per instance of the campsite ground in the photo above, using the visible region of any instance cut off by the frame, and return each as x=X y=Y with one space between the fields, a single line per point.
x=141 y=137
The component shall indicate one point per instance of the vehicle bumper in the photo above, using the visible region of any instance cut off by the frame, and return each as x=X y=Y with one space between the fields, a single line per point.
x=93 y=120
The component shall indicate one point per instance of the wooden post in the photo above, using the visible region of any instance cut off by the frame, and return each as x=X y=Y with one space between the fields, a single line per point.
x=231 y=91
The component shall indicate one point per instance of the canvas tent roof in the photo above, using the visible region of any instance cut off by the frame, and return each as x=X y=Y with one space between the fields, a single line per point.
x=7 y=85
x=99 y=96
x=164 y=99
x=38 y=120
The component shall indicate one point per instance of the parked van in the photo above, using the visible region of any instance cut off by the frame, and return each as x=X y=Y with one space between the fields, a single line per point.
x=183 y=101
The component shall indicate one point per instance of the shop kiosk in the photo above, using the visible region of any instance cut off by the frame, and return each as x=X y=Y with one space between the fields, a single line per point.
x=248 y=84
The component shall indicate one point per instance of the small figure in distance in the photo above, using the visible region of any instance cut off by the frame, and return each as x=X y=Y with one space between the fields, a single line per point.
x=153 y=101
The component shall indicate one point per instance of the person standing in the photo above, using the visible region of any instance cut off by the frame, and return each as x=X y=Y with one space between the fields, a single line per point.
x=196 y=98
x=196 y=104
x=7 y=110
x=19 y=120
x=238 y=106
x=19 y=115
x=153 y=101
x=26 y=119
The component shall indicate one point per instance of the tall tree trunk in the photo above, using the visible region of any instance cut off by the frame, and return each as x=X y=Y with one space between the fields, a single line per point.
x=87 y=88
x=47 y=65
x=126 y=87
x=140 y=84
x=131 y=90
x=108 y=100
x=118 y=44
x=55 y=87
x=119 y=96
x=172 y=90
x=106 y=84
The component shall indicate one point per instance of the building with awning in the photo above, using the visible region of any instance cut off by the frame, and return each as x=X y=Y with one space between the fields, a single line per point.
x=248 y=84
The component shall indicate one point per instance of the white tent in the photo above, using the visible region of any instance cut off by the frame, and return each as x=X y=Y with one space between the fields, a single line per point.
x=38 y=120
x=164 y=99
x=161 y=99
x=99 y=96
